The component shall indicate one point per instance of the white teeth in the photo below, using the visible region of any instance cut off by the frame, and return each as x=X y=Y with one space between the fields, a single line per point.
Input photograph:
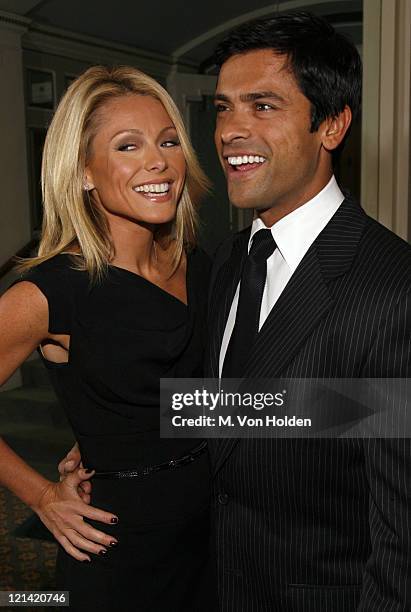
x=153 y=188
x=245 y=159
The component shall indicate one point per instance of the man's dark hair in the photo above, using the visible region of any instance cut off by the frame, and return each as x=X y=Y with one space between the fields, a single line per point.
x=325 y=64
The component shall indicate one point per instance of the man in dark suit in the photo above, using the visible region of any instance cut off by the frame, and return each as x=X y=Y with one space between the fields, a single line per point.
x=314 y=289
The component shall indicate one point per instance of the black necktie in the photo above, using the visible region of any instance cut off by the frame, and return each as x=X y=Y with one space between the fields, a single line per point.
x=249 y=304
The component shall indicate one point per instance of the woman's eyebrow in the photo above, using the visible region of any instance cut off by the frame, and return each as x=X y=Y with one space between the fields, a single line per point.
x=128 y=131
x=139 y=132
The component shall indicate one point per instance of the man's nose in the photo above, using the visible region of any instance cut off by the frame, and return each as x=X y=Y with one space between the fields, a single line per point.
x=234 y=126
x=155 y=160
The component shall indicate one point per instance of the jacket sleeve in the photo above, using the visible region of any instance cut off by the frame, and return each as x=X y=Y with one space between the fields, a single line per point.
x=387 y=578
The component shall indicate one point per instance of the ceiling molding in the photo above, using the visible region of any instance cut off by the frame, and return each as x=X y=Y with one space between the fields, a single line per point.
x=20 y=7
x=334 y=6
x=56 y=41
x=17 y=23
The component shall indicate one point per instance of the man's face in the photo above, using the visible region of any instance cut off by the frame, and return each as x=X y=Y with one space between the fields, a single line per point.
x=263 y=118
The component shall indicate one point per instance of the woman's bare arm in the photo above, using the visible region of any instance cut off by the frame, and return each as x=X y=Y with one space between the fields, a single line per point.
x=23 y=326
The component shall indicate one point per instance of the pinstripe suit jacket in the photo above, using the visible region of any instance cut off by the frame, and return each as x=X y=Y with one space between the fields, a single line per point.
x=319 y=525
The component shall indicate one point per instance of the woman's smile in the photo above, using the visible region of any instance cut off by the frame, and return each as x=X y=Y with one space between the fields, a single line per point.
x=155 y=191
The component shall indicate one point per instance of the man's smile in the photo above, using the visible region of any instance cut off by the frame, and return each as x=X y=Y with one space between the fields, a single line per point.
x=243 y=163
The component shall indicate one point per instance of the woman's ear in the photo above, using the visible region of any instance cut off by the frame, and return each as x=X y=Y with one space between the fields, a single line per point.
x=87 y=182
x=335 y=128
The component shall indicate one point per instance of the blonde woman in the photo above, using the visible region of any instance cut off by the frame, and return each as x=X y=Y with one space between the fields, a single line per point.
x=114 y=301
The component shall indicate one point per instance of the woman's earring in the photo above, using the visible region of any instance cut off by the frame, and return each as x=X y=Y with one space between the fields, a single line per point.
x=86 y=187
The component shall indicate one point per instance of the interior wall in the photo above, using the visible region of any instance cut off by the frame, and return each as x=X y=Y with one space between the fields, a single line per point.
x=385 y=185
x=14 y=201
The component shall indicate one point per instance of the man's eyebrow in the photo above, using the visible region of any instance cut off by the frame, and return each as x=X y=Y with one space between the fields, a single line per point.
x=258 y=95
x=252 y=97
x=221 y=96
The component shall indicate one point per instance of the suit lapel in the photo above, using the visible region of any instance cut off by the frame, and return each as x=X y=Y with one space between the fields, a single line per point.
x=306 y=299
x=223 y=291
x=302 y=305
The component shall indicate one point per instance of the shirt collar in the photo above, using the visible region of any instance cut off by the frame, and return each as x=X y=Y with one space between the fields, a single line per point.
x=295 y=233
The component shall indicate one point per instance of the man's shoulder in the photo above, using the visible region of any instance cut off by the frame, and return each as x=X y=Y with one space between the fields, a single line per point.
x=372 y=244
x=384 y=249
x=377 y=232
x=224 y=249
x=382 y=258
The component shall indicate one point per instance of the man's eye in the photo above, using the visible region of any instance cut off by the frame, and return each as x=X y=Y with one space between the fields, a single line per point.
x=171 y=143
x=220 y=108
x=262 y=106
x=127 y=147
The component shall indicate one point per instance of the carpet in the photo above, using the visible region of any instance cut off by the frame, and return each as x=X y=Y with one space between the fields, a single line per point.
x=26 y=563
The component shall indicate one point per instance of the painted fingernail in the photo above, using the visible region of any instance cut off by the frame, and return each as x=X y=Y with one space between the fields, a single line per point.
x=113 y=543
x=114 y=520
x=88 y=471
x=102 y=552
x=87 y=560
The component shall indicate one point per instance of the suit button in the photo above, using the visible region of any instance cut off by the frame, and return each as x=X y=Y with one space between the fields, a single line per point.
x=222 y=499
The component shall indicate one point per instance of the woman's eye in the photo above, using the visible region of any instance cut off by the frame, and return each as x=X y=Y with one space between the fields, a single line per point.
x=171 y=143
x=127 y=147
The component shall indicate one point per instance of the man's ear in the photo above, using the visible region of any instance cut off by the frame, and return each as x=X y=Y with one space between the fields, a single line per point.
x=335 y=128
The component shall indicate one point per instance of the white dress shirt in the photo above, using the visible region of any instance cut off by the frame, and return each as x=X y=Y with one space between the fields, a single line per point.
x=293 y=235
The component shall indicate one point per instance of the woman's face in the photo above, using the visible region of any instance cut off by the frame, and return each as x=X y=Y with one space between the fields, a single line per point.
x=136 y=167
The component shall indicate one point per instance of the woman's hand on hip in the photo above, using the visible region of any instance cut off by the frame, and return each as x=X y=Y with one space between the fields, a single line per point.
x=62 y=511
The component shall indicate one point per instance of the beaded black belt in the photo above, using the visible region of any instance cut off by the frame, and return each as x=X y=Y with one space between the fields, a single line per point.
x=167 y=465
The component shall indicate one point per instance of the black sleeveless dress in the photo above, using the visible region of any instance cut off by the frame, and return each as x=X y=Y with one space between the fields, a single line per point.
x=125 y=334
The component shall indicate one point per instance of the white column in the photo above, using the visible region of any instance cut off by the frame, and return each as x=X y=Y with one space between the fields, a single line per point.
x=385 y=181
x=14 y=187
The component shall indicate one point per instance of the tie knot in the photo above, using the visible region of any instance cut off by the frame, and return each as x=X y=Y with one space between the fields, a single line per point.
x=263 y=245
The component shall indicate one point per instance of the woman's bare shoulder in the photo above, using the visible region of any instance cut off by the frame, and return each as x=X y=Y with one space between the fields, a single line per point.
x=24 y=311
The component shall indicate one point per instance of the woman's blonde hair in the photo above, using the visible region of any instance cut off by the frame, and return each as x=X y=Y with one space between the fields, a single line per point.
x=69 y=215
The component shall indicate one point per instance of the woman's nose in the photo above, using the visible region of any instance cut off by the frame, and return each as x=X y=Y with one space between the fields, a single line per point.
x=155 y=160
